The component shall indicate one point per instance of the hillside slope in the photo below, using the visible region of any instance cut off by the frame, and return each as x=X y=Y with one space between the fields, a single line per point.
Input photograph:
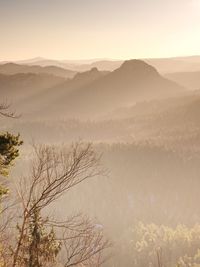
x=133 y=82
x=191 y=80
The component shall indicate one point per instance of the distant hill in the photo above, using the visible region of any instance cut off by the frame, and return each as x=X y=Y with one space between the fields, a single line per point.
x=13 y=68
x=89 y=76
x=14 y=88
x=103 y=65
x=191 y=80
x=89 y=94
x=134 y=81
x=49 y=100
x=163 y=65
x=61 y=91
x=43 y=62
x=176 y=64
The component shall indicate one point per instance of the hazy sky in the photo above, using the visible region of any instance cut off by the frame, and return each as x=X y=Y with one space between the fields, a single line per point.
x=80 y=29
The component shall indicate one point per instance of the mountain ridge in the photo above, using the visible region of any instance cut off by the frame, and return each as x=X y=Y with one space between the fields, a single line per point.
x=13 y=68
x=132 y=82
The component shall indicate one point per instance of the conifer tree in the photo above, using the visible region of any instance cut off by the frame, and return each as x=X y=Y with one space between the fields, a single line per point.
x=40 y=246
x=8 y=153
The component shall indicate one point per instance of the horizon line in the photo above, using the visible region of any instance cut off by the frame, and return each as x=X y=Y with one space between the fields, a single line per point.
x=95 y=59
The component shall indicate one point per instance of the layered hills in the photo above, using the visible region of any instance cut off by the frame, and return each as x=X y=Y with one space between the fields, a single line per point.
x=13 y=68
x=132 y=82
x=92 y=93
x=163 y=65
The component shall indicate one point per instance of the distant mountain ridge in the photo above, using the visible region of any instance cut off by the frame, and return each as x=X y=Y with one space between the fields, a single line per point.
x=133 y=82
x=88 y=94
x=163 y=65
x=58 y=94
x=13 y=68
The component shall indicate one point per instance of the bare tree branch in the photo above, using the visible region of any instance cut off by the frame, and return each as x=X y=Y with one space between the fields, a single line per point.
x=54 y=172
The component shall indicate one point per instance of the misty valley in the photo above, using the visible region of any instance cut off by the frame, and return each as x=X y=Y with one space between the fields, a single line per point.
x=106 y=167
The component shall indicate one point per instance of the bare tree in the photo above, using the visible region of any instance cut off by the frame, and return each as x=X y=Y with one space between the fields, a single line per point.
x=83 y=241
x=53 y=173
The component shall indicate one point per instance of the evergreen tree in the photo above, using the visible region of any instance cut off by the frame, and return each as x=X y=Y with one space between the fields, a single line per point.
x=8 y=153
x=40 y=246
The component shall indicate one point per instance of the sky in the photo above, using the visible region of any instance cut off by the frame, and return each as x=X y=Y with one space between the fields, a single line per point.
x=86 y=29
